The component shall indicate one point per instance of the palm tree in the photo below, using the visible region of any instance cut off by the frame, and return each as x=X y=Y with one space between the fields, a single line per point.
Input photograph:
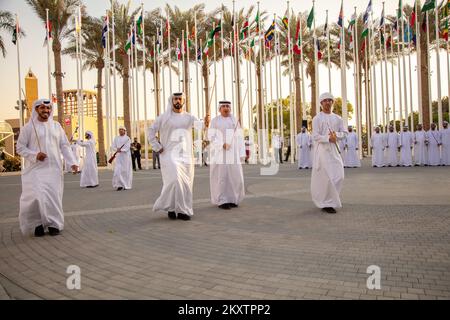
x=7 y=24
x=60 y=14
x=93 y=53
x=123 y=21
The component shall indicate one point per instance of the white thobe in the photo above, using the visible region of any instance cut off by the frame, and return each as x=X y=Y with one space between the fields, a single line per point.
x=123 y=173
x=177 y=163
x=406 y=143
x=445 y=147
x=42 y=181
x=434 y=139
x=351 y=158
x=420 y=148
x=328 y=170
x=378 y=145
x=392 y=143
x=76 y=154
x=304 y=142
x=226 y=177
x=89 y=172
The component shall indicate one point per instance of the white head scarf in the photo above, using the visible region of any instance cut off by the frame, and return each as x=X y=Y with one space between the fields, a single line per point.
x=325 y=96
x=91 y=134
x=37 y=103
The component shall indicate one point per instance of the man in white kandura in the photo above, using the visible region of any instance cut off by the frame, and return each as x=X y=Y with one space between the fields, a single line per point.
x=76 y=154
x=227 y=151
x=351 y=158
x=89 y=172
x=328 y=170
x=406 y=145
x=445 y=146
x=176 y=156
x=378 y=144
x=420 y=147
x=304 y=144
x=41 y=143
x=123 y=168
x=433 y=141
x=392 y=143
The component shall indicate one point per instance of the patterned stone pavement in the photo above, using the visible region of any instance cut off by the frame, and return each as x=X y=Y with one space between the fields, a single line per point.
x=276 y=245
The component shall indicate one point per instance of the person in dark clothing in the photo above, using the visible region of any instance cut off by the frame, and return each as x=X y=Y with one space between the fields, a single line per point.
x=136 y=154
x=288 y=151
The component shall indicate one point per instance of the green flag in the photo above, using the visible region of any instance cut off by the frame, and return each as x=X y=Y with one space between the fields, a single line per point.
x=139 y=25
x=310 y=18
x=365 y=32
x=429 y=5
x=400 y=9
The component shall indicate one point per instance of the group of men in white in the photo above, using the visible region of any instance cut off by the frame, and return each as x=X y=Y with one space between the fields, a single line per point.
x=348 y=149
x=421 y=148
x=43 y=145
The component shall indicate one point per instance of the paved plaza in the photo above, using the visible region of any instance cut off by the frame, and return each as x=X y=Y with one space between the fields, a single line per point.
x=276 y=245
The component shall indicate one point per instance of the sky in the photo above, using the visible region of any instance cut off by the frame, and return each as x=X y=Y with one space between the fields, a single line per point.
x=33 y=54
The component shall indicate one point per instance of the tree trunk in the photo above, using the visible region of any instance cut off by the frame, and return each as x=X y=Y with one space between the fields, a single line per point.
x=126 y=94
x=313 y=94
x=101 y=133
x=298 y=96
x=157 y=85
x=425 y=70
x=205 y=75
x=260 y=97
x=56 y=47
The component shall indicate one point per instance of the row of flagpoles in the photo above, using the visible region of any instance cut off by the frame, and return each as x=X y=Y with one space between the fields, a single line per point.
x=241 y=42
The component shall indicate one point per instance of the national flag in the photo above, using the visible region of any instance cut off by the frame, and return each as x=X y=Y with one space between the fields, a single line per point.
x=139 y=25
x=310 y=18
x=128 y=43
x=400 y=9
x=285 y=22
x=243 y=34
x=104 y=31
x=325 y=28
x=352 y=20
x=341 y=15
x=257 y=22
x=167 y=29
x=367 y=12
x=428 y=5
x=297 y=46
x=15 y=33
x=365 y=32
x=319 y=53
x=48 y=31
x=382 y=19
x=268 y=36
x=363 y=47
x=199 y=53
x=412 y=20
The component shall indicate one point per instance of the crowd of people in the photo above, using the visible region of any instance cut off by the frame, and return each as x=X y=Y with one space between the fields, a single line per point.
x=327 y=150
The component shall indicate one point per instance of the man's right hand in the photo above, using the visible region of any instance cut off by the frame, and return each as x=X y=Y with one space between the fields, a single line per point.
x=41 y=156
x=333 y=138
x=161 y=150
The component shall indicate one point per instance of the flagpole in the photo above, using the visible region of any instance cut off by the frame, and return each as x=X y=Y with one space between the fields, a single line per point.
x=188 y=80
x=383 y=106
x=301 y=67
x=233 y=79
x=81 y=76
x=116 y=116
x=281 y=89
x=387 y=110
x=260 y=107
x=170 y=51
x=162 y=64
x=133 y=105
x=405 y=85
x=438 y=67
x=249 y=105
x=215 y=72
x=266 y=111
x=400 y=107
x=448 y=76
x=316 y=63
x=358 y=89
x=183 y=57
x=196 y=67
x=373 y=68
x=178 y=64
x=144 y=66
x=19 y=76
x=343 y=74
x=201 y=82
x=410 y=86
x=394 y=115
x=49 y=72
x=156 y=78
x=291 y=105
x=271 y=86
x=366 y=96
x=106 y=86
x=429 y=71
x=77 y=55
x=418 y=64
x=223 y=55
x=329 y=54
